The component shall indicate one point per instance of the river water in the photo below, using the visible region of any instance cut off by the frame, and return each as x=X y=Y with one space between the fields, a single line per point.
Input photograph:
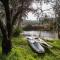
x=43 y=34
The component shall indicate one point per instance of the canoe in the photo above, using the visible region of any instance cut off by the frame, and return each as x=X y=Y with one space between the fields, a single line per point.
x=35 y=45
x=42 y=42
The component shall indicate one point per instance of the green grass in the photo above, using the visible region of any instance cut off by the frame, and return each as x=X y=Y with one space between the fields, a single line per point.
x=22 y=51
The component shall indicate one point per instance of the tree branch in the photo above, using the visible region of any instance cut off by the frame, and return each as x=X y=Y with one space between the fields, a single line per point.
x=15 y=17
x=20 y=10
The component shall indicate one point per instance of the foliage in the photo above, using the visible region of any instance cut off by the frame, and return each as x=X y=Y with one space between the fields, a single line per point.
x=17 y=31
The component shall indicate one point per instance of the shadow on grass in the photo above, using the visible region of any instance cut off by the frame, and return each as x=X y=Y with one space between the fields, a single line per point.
x=56 y=47
x=48 y=52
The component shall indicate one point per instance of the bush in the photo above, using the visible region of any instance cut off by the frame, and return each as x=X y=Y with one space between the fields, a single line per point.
x=17 y=31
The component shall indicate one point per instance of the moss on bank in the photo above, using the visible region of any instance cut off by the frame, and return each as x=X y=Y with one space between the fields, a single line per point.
x=22 y=51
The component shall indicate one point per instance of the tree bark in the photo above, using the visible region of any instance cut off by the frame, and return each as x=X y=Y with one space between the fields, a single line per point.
x=6 y=42
x=58 y=31
x=6 y=45
x=58 y=25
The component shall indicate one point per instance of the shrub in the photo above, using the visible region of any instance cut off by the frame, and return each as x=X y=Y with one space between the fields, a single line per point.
x=17 y=31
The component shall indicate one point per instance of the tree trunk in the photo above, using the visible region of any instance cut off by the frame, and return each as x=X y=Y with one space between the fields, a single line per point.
x=6 y=45
x=58 y=21
x=59 y=32
x=59 y=35
x=6 y=42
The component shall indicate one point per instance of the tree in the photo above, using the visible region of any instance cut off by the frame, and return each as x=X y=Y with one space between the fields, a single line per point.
x=56 y=8
x=11 y=17
x=12 y=9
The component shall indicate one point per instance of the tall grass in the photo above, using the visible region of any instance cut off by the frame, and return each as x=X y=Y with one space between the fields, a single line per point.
x=22 y=51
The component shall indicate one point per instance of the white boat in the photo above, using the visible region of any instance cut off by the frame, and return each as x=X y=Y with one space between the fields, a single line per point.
x=35 y=45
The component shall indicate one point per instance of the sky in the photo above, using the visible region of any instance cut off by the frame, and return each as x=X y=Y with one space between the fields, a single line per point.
x=45 y=7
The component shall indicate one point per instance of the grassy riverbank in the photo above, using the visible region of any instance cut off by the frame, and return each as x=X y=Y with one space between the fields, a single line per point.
x=22 y=51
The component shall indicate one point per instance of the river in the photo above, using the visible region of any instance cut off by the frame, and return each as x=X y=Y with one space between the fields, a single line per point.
x=43 y=34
